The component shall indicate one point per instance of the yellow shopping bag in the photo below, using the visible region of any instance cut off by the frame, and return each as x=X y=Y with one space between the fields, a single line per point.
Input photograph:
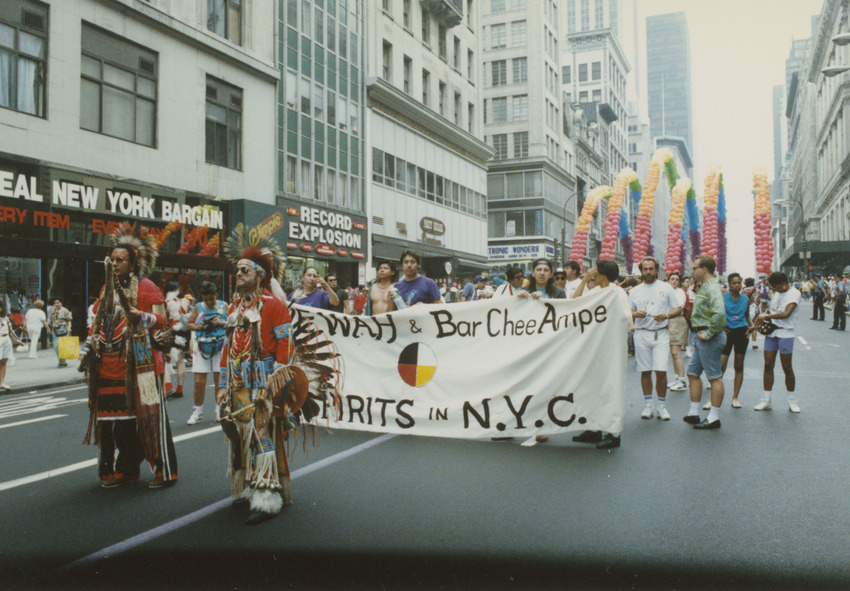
x=69 y=347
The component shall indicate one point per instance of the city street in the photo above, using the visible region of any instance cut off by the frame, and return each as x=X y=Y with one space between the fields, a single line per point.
x=760 y=503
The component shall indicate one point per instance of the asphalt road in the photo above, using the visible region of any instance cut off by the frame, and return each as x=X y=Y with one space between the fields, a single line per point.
x=760 y=503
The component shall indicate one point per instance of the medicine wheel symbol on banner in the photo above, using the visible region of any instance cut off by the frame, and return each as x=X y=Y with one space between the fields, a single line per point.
x=417 y=364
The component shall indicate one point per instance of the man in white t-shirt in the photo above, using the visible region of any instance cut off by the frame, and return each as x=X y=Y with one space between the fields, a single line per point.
x=573 y=271
x=784 y=308
x=653 y=303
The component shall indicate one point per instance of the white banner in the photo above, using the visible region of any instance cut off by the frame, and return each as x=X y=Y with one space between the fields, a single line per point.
x=498 y=367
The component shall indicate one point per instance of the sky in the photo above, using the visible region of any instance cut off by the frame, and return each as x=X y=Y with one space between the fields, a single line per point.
x=738 y=53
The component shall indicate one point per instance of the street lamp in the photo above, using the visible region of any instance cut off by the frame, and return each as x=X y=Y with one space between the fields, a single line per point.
x=569 y=198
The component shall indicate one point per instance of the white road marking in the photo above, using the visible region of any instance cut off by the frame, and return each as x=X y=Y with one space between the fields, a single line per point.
x=85 y=464
x=14 y=408
x=19 y=423
x=176 y=524
x=802 y=340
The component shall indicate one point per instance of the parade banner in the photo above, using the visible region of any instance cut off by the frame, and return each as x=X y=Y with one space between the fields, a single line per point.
x=494 y=367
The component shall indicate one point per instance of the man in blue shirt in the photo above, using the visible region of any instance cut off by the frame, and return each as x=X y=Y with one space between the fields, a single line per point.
x=839 y=313
x=470 y=290
x=414 y=288
x=818 y=312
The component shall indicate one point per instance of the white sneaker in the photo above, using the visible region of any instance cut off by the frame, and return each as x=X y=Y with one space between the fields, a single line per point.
x=197 y=416
x=707 y=405
x=677 y=386
x=792 y=404
x=689 y=352
x=663 y=415
x=764 y=404
x=648 y=412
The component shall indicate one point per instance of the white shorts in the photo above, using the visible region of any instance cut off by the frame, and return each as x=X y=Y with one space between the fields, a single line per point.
x=652 y=349
x=5 y=348
x=201 y=365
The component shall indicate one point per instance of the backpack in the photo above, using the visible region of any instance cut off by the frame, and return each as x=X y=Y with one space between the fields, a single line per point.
x=359 y=302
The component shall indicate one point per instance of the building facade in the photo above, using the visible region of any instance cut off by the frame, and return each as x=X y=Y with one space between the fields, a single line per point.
x=668 y=73
x=531 y=189
x=429 y=175
x=129 y=111
x=321 y=151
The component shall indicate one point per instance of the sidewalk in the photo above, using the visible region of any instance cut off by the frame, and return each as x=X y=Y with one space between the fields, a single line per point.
x=36 y=374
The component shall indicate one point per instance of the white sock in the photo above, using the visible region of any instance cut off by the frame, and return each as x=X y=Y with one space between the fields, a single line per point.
x=695 y=406
x=713 y=414
x=765 y=395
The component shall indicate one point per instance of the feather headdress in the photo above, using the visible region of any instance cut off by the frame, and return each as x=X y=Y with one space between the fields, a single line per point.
x=145 y=250
x=262 y=249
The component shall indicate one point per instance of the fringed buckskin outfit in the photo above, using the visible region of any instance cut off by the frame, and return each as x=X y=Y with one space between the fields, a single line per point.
x=125 y=375
x=255 y=359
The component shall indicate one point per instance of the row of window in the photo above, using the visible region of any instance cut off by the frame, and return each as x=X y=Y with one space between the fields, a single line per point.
x=118 y=85
x=414 y=180
x=337 y=31
x=499 y=71
x=497 y=6
x=309 y=179
x=499 y=35
x=598 y=15
x=595 y=73
x=520 y=145
x=496 y=109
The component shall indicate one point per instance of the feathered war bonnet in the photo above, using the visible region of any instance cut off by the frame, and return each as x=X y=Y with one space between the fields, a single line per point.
x=263 y=251
x=145 y=250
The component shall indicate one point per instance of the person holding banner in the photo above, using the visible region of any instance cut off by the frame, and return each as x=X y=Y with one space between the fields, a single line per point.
x=256 y=371
x=653 y=304
x=380 y=298
x=542 y=286
x=309 y=293
x=513 y=285
x=602 y=276
x=414 y=288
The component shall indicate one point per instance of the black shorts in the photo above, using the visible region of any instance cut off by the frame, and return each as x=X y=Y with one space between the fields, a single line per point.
x=737 y=337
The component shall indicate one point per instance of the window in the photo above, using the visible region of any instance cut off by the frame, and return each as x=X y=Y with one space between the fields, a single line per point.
x=500 y=109
x=596 y=71
x=470 y=65
x=426 y=88
x=408 y=66
x=518 y=4
x=521 y=144
x=426 y=28
x=23 y=53
x=387 y=6
x=520 y=107
x=224 y=124
x=582 y=72
x=117 y=87
x=406 y=14
x=519 y=33
x=498 y=36
x=387 y=62
x=582 y=96
x=442 y=42
x=497 y=6
x=598 y=14
x=470 y=118
x=500 y=145
x=565 y=75
x=458 y=109
x=456 y=54
x=498 y=73
x=520 y=70
x=224 y=18
x=597 y=96
x=442 y=98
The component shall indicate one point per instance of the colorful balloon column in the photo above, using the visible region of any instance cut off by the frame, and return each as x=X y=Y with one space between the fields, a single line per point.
x=674 y=226
x=643 y=223
x=579 y=243
x=721 y=226
x=761 y=221
x=710 y=217
x=693 y=222
x=616 y=200
x=625 y=229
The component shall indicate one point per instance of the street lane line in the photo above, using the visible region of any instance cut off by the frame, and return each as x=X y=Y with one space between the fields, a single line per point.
x=19 y=423
x=85 y=464
x=802 y=340
x=176 y=524
x=34 y=393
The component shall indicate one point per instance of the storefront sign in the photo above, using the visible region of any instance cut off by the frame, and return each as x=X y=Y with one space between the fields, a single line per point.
x=323 y=231
x=117 y=201
x=510 y=252
x=432 y=229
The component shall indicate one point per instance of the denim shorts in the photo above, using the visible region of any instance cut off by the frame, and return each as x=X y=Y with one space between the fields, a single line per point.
x=706 y=357
x=784 y=346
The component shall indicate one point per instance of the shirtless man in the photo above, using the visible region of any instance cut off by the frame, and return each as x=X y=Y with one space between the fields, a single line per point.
x=380 y=295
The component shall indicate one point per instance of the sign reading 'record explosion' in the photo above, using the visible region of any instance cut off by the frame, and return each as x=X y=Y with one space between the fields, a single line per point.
x=500 y=367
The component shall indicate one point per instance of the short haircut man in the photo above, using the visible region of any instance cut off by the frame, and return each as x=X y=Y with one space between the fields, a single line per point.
x=607 y=268
x=706 y=262
x=410 y=253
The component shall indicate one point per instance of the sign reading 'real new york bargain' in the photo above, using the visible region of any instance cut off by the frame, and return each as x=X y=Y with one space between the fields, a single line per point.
x=499 y=367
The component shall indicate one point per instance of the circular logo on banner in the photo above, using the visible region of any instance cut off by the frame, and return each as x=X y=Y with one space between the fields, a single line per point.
x=417 y=364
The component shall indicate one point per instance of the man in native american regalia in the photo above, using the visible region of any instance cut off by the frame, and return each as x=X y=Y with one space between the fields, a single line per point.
x=124 y=370
x=259 y=388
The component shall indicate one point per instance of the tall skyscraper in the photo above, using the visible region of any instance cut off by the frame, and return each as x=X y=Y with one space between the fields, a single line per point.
x=668 y=72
